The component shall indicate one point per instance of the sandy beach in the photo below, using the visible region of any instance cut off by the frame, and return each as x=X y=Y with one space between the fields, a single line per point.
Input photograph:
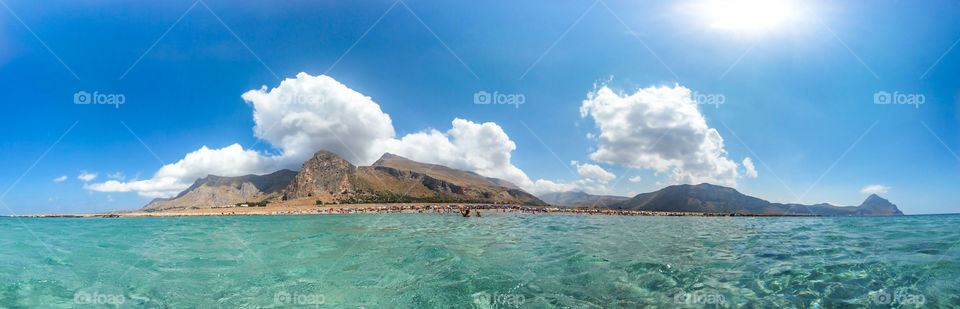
x=302 y=208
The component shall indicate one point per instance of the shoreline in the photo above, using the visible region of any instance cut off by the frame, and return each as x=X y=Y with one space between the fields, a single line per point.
x=453 y=209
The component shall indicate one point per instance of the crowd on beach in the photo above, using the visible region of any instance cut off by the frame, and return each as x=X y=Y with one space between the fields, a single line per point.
x=468 y=210
x=465 y=210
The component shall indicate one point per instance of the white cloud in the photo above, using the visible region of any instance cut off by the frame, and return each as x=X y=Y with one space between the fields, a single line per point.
x=875 y=189
x=748 y=165
x=117 y=175
x=635 y=179
x=593 y=180
x=84 y=176
x=658 y=128
x=545 y=186
x=172 y=178
x=593 y=172
x=60 y=179
x=482 y=148
x=309 y=113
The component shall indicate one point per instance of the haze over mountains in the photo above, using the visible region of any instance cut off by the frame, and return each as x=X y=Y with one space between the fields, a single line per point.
x=328 y=179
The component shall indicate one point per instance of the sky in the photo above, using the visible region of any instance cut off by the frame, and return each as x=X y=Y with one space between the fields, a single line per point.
x=789 y=101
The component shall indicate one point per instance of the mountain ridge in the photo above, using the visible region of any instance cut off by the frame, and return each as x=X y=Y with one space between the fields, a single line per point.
x=718 y=199
x=328 y=178
x=214 y=190
x=393 y=178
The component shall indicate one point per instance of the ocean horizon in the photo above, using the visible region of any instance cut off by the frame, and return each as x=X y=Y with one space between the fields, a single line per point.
x=502 y=260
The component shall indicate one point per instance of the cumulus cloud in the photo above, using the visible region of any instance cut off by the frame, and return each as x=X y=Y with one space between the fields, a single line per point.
x=593 y=172
x=309 y=113
x=172 y=178
x=748 y=165
x=875 y=189
x=483 y=148
x=545 y=186
x=84 y=176
x=635 y=179
x=658 y=128
x=60 y=179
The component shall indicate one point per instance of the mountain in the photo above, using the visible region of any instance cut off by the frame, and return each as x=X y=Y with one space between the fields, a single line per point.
x=718 y=199
x=874 y=205
x=581 y=199
x=322 y=176
x=698 y=198
x=220 y=191
x=329 y=178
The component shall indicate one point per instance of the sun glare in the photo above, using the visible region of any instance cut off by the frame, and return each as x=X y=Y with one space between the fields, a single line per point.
x=752 y=15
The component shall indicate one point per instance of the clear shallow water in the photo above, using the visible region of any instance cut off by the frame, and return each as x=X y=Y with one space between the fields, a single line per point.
x=498 y=261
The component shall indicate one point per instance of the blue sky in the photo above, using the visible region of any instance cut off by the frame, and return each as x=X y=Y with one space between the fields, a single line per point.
x=798 y=95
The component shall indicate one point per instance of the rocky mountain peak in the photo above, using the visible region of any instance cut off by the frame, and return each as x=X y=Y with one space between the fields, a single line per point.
x=878 y=204
x=388 y=157
x=323 y=174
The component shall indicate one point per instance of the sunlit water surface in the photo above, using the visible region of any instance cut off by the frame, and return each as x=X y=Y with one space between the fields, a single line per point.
x=497 y=261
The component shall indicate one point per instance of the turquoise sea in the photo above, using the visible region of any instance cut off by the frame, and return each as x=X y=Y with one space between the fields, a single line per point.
x=497 y=261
